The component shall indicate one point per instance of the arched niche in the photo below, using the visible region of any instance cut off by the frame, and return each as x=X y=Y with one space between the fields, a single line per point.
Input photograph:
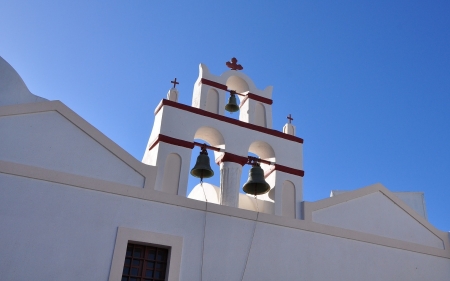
x=172 y=169
x=212 y=101
x=260 y=115
x=288 y=200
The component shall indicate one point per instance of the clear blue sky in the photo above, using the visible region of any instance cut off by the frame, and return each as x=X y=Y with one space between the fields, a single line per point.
x=368 y=82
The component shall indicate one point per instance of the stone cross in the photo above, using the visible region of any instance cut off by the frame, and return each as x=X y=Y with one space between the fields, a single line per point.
x=290 y=118
x=175 y=83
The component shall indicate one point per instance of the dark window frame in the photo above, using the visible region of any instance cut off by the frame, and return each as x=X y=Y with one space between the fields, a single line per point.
x=145 y=262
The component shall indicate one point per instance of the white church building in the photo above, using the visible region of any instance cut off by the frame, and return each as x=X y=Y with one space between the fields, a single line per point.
x=76 y=206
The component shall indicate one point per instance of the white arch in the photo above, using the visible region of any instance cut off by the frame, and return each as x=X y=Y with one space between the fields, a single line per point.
x=237 y=84
x=172 y=169
x=211 y=135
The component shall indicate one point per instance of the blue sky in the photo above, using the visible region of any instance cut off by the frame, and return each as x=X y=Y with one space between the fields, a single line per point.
x=367 y=82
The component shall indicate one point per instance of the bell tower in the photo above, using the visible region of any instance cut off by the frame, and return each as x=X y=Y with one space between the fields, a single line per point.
x=211 y=93
x=277 y=173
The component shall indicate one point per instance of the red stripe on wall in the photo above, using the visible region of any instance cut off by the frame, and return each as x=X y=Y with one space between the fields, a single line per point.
x=214 y=84
x=231 y=120
x=225 y=88
x=288 y=170
x=230 y=157
x=227 y=157
x=171 y=140
x=259 y=98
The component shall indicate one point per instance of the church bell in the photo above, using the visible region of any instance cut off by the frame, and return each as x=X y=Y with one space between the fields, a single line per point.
x=202 y=169
x=256 y=184
x=232 y=105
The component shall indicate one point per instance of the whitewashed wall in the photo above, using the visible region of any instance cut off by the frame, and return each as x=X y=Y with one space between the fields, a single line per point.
x=69 y=233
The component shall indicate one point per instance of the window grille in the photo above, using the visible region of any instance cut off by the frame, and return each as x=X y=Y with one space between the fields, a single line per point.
x=145 y=263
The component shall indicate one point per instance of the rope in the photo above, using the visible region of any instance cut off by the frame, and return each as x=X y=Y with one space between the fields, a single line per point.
x=204 y=227
x=253 y=235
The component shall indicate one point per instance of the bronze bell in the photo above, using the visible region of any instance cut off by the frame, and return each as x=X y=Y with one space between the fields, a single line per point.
x=202 y=169
x=232 y=105
x=256 y=184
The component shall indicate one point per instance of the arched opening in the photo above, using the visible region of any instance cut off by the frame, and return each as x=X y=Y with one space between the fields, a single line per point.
x=171 y=178
x=288 y=200
x=212 y=101
x=262 y=203
x=211 y=137
x=263 y=150
x=260 y=115
x=239 y=85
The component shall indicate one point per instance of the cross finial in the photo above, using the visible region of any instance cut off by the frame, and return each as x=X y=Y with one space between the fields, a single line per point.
x=175 y=83
x=233 y=64
x=290 y=118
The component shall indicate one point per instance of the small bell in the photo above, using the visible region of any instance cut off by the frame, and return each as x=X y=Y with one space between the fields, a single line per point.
x=232 y=105
x=256 y=184
x=202 y=169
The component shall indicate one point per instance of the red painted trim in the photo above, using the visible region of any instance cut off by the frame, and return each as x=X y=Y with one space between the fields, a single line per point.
x=259 y=98
x=171 y=140
x=269 y=172
x=231 y=121
x=255 y=159
x=214 y=84
x=225 y=88
x=158 y=108
x=230 y=157
x=226 y=157
x=288 y=170
x=243 y=101
x=207 y=146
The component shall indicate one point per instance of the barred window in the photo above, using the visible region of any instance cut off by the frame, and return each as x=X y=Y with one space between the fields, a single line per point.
x=145 y=263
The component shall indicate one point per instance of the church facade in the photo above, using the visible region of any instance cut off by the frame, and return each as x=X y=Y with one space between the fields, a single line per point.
x=76 y=206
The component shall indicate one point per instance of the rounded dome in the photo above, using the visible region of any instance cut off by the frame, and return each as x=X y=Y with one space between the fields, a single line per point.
x=12 y=88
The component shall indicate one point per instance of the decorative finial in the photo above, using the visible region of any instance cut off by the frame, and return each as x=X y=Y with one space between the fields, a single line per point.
x=175 y=83
x=233 y=64
x=290 y=118
x=289 y=128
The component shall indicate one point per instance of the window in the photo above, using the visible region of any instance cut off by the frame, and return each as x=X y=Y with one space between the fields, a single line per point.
x=136 y=254
x=144 y=263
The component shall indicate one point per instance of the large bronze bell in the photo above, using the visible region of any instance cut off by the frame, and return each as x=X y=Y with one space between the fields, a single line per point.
x=202 y=169
x=232 y=105
x=256 y=184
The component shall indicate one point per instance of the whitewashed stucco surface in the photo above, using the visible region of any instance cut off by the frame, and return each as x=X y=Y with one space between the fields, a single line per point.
x=415 y=200
x=377 y=214
x=48 y=140
x=75 y=231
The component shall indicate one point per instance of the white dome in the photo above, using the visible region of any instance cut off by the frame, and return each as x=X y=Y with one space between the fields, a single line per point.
x=211 y=191
x=12 y=88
